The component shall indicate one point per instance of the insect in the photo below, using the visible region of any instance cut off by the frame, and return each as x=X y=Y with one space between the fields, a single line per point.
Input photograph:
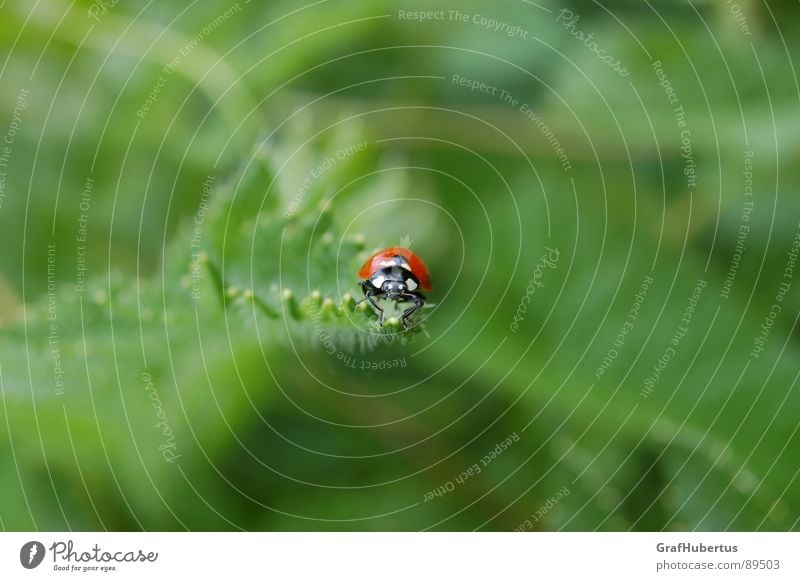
x=395 y=274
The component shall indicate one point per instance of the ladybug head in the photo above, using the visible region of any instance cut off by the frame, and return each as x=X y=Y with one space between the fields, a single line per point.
x=394 y=289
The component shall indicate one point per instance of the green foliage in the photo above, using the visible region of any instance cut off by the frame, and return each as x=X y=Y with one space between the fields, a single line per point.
x=216 y=373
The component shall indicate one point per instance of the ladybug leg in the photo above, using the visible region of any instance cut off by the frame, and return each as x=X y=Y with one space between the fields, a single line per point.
x=376 y=307
x=418 y=302
x=365 y=288
x=369 y=295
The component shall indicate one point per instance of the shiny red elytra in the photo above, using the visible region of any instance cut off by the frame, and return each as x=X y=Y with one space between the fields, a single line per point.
x=395 y=274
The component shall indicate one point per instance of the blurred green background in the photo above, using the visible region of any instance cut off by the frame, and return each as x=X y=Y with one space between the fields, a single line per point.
x=188 y=191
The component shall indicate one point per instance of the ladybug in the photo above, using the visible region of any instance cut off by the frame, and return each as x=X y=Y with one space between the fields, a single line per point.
x=395 y=274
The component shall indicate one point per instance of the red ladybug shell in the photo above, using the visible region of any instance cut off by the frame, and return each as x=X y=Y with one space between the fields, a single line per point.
x=418 y=268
